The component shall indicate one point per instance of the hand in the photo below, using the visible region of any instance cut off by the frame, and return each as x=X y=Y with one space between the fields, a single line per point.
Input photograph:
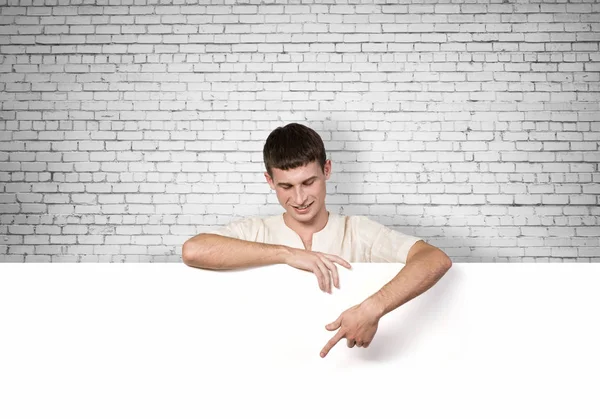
x=321 y=264
x=358 y=326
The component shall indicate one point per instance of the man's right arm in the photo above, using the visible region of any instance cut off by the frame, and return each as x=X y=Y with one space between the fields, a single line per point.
x=213 y=251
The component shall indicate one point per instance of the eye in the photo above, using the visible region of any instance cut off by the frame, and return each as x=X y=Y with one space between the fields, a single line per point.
x=310 y=183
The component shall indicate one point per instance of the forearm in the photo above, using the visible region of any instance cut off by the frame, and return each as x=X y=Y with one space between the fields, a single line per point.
x=212 y=251
x=416 y=277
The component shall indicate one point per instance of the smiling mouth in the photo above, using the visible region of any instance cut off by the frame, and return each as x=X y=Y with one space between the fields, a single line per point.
x=303 y=207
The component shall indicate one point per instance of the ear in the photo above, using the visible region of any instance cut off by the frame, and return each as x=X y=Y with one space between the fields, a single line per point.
x=269 y=180
x=327 y=169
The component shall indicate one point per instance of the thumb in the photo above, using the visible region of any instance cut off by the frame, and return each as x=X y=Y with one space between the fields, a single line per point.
x=334 y=325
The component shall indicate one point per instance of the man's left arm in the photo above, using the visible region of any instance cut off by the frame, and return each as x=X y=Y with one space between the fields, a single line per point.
x=425 y=265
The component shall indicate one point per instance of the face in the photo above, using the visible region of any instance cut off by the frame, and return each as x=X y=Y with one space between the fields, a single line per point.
x=301 y=186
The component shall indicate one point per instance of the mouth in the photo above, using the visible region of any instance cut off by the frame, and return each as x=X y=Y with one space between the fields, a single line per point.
x=303 y=208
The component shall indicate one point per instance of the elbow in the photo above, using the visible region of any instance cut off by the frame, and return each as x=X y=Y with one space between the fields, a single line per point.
x=444 y=261
x=189 y=253
x=185 y=253
x=448 y=263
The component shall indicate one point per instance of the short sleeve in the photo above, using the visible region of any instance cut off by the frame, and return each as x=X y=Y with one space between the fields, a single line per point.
x=238 y=229
x=383 y=244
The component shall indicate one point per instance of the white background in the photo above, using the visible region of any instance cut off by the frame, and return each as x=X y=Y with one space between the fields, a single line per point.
x=164 y=340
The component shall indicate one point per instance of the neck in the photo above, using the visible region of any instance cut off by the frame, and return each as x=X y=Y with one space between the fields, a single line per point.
x=318 y=223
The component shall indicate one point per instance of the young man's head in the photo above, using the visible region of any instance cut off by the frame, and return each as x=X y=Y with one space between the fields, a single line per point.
x=297 y=169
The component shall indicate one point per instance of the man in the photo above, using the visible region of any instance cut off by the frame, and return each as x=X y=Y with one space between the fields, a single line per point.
x=309 y=237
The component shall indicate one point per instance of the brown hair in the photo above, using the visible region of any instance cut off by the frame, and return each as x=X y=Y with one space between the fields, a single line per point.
x=291 y=146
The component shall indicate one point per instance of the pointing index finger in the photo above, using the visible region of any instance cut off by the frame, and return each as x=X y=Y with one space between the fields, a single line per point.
x=338 y=336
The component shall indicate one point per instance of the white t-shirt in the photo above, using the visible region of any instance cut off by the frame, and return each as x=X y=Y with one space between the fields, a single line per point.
x=354 y=238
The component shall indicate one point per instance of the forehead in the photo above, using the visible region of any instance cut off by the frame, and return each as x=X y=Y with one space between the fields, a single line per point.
x=297 y=174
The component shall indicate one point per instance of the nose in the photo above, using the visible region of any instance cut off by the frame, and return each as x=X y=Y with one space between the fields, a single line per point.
x=300 y=196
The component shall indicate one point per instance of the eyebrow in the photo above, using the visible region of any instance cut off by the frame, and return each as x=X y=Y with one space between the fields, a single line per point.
x=289 y=184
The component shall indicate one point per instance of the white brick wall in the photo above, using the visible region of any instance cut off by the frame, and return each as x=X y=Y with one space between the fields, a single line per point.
x=125 y=130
